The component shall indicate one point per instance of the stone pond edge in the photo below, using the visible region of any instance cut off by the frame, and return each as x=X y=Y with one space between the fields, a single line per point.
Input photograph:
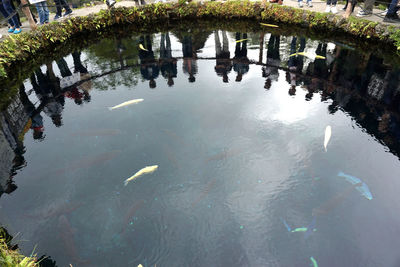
x=17 y=49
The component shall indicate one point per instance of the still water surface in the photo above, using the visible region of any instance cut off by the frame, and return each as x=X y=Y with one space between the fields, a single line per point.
x=237 y=131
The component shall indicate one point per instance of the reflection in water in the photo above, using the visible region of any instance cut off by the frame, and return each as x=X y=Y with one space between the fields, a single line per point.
x=219 y=209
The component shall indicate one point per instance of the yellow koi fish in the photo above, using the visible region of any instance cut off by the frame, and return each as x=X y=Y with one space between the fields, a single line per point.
x=127 y=103
x=241 y=40
x=269 y=25
x=145 y=170
x=306 y=55
x=142 y=47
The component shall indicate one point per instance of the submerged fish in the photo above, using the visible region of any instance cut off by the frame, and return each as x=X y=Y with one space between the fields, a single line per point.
x=241 y=40
x=145 y=170
x=332 y=203
x=310 y=228
x=135 y=207
x=205 y=192
x=127 y=103
x=362 y=188
x=97 y=132
x=302 y=229
x=328 y=134
x=306 y=55
x=314 y=262
x=299 y=229
x=269 y=25
x=67 y=237
x=142 y=47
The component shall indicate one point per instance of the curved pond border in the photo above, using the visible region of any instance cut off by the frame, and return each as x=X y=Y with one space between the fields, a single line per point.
x=21 y=48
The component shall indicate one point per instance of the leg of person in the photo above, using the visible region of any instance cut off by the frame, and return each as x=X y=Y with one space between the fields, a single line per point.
x=328 y=6
x=368 y=6
x=65 y=5
x=391 y=15
x=7 y=6
x=40 y=11
x=5 y=14
x=13 y=6
x=309 y=3
x=58 y=9
x=46 y=11
x=345 y=6
x=333 y=8
x=300 y=3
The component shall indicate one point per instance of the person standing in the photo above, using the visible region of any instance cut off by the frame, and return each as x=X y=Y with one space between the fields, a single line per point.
x=15 y=26
x=367 y=10
x=331 y=6
x=43 y=12
x=60 y=4
x=391 y=15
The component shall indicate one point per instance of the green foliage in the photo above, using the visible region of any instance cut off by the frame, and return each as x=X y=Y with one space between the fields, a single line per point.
x=10 y=257
x=21 y=48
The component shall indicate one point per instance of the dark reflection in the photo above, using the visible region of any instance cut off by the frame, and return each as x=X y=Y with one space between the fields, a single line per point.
x=148 y=65
x=167 y=62
x=295 y=63
x=223 y=63
x=189 y=58
x=270 y=70
x=240 y=61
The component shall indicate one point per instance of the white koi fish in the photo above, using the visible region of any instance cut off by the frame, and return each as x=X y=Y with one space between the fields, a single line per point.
x=145 y=170
x=127 y=103
x=328 y=134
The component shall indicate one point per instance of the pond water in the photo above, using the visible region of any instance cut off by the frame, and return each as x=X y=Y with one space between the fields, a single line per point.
x=237 y=130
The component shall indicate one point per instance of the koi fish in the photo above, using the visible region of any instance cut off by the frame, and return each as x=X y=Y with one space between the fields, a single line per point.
x=362 y=188
x=145 y=170
x=314 y=262
x=130 y=214
x=306 y=55
x=67 y=237
x=97 y=132
x=299 y=229
x=205 y=192
x=87 y=162
x=332 y=203
x=328 y=134
x=127 y=103
x=241 y=40
x=142 y=47
x=269 y=25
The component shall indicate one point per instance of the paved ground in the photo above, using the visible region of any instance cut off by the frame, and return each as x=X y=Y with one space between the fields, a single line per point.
x=318 y=6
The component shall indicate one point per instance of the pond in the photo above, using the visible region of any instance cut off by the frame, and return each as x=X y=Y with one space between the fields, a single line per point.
x=239 y=127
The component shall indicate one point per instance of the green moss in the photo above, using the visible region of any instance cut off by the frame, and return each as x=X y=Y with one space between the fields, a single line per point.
x=21 y=48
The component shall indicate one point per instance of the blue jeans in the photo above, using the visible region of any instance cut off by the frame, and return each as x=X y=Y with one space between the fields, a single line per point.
x=392 y=8
x=306 y=1
x=8 y=11
x=43 y=11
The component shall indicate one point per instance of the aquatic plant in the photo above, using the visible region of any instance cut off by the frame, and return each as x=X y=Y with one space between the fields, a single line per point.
x=12 y=258
x=19 y=49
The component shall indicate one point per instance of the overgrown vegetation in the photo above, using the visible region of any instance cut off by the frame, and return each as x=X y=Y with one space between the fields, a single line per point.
x=10 y=256
x=18 y=49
